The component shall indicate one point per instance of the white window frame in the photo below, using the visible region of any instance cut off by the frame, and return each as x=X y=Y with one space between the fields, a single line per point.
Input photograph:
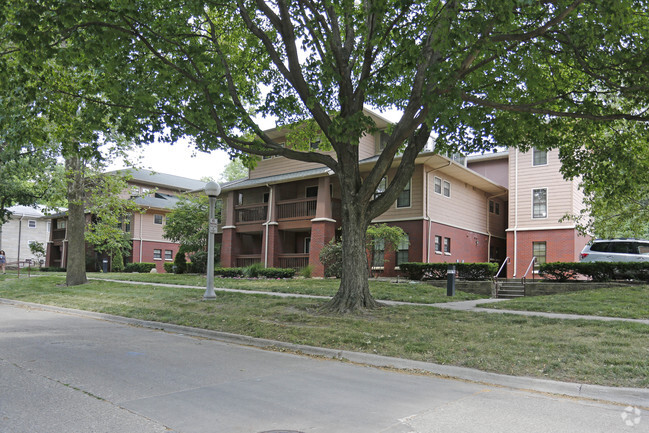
x=30 y=222
x=171 y=255
x=441 y=246
x=157 y=251
x=444 y=183
x=446 y=246
x=534 y=151
x=161 y=219
x=409 y=185
x=435 y=184
x=404 y=245
x=546 y=203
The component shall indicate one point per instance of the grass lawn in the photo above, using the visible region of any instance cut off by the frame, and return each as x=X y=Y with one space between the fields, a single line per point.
x=576 y=350
x=405 y=291
x=631 y=302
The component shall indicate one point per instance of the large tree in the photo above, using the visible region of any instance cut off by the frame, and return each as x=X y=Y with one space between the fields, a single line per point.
x=476 y=74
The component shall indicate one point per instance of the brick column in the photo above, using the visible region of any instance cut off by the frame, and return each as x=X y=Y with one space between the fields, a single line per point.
x=322 y=231
x=229 y=247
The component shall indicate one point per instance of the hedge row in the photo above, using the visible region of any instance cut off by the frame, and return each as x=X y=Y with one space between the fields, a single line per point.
x=142 y=268
x=596 y=271
x=254 y=272
x=437 y=271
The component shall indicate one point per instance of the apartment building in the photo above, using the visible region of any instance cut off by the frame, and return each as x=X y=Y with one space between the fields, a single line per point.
x=156 y=194
x=25 y=226
x=501 y=207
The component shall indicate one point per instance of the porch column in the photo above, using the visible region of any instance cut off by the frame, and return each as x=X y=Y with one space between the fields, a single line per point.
x=323 y=226
x=229 y=244
x=270 y=244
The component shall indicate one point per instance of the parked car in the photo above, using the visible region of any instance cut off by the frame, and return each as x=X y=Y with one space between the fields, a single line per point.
x=616 y=250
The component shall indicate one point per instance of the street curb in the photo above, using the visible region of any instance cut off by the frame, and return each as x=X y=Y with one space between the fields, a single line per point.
x=637 y=397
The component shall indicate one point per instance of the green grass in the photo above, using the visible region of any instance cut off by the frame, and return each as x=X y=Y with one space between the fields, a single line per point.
x=612 y=353
x=404 y=291
x=630 y=302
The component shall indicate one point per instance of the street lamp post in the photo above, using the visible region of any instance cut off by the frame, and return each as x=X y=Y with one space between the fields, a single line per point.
x=212 y=189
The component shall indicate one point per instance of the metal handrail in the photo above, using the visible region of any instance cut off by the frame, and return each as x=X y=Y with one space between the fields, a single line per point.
x=528 y=268
x=502 y=267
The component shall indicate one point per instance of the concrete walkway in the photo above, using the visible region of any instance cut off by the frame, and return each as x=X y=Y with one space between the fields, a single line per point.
x=472 y=305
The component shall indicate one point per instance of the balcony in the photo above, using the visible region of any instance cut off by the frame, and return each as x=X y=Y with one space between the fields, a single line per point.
x=58 y=234
x=296 y=260
x=250 y=213
x=244 y=260
x=297 y=208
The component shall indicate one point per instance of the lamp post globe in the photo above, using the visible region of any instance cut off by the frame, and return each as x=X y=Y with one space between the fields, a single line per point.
x=212 y=190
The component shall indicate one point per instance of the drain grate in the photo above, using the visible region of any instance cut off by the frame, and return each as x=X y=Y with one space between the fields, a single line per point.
x=281 y=431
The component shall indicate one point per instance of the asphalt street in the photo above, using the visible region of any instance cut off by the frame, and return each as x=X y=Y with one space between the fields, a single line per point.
x=67 y=373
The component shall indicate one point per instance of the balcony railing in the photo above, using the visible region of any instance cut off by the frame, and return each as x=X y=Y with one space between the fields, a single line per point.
x=251 y=213
x=296 y=260
x=299 y=208
x=244 y=260
x=58 y=234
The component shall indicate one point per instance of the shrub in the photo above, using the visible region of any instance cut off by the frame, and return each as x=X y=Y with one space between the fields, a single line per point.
x=331 y=256
x=51 y=269
x=276 y=272
x=437 y=271
x=596 y=271
x=306 y=271
x=142 y=268
x=180 y=261
x=253 y=271
x=229 y=272
x=198 y=263
x=168 y=267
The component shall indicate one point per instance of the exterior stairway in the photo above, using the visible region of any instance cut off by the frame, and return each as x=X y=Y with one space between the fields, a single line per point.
x=509 y=288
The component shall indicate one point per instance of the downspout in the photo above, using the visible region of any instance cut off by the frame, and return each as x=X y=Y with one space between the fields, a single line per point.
x=430 y=221
x=20 y=232
x=515 y=214
x=269 y=214
x=141 y=239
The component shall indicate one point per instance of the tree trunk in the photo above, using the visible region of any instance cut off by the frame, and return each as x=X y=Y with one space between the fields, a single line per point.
x=354 y=292
x=76 y=251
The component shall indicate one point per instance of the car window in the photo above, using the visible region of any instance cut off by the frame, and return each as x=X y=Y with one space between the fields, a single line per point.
x=600 y=247
x=623 y=248
x=643 y=248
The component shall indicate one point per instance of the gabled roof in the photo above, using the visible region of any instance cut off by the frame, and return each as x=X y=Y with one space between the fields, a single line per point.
x=36 y=212
x=164 y=180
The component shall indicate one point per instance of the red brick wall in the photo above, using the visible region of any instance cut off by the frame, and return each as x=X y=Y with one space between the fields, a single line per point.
x=321 y=233
x=147 y=252
x=562 y=245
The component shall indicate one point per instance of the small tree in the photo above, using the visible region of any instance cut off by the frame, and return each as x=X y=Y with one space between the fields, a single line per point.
x=38 y=250
x=388 y=237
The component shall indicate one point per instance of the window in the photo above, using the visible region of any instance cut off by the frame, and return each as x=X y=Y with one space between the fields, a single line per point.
x=447 y=189
x=380 y=189
x=494 y=207
x=60 y=224
x=157 y=254
x=169 y=255
x=383 y=140
x=404 y=197
x=497 y=208
x=31 y=224
x=447 y=245
x=539 y=157
x=402 y=251
x=311 y=191
x=491 y=206
x=438 y=244
x=49 y=226
x=157 y=219
x=540 y=203
x=438 y=185
x=379 y=253
x=538 y=251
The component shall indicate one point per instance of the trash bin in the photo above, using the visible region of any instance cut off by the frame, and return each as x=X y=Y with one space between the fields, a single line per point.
x=450 y=281
x=104 y=265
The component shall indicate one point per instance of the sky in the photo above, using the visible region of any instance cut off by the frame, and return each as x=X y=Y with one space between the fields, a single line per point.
x=181 y=158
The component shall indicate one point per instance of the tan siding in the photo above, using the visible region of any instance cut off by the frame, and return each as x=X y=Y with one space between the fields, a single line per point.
x=416 y=208
x=559 y=191
x=151 y=231
x=466 y=208
x=280 y=165
x=367 y=146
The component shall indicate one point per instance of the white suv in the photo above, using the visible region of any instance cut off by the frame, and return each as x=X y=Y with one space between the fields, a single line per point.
x=616 y=250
